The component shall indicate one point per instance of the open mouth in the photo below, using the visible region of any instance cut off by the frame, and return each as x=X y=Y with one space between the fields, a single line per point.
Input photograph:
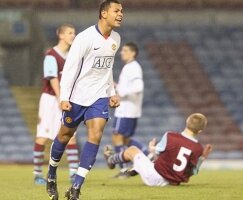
x=119 y=20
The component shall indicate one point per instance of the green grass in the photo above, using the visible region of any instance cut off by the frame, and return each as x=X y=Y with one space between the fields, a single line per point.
x=16 y=183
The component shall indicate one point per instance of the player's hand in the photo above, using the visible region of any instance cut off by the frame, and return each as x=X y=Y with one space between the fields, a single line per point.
x=66 y=106
x=152 y=145
x=114 y=101
x=207 y=150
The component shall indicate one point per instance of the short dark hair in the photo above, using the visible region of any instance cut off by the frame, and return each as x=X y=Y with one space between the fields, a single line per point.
x=105 y=5
x=133 y=47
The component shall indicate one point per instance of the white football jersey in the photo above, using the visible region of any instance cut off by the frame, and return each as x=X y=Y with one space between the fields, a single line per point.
x=87 y=75
x=130 y=89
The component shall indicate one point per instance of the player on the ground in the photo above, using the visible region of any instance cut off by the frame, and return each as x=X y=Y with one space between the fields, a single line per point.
x=179 y=155
x=130 y=90
x=49 y=108
x=87 y=90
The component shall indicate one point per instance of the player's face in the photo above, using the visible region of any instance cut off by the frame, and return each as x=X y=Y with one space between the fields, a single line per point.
x=68 y=35
x=114 y=15
x=126 y=54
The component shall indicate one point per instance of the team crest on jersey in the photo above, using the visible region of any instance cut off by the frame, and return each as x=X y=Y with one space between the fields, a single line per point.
x=103 y=62
x=113 y=46
x=68 y=120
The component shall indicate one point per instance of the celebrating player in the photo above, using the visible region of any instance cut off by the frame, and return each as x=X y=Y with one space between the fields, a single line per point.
x=179 y=155
x=130 y=89
x=49 y=108
x=87 y=90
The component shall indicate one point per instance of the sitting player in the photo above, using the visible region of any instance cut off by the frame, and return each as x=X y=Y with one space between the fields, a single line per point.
x=179 y=155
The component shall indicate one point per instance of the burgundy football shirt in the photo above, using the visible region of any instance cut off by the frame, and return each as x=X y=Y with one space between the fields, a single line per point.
x=176 y=162
x=60 y=64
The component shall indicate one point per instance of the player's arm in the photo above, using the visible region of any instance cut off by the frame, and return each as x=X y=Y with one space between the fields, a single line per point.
x=114 y=98
x=158 y=148
x=72 y=67
x=55 y=84
x=207 y=150
x=51 y=73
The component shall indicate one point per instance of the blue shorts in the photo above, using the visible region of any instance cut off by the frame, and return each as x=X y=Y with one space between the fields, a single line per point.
x=125 y=126
x=78 y=113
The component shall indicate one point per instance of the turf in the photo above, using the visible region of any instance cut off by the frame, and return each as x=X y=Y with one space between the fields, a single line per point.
x=16 y=184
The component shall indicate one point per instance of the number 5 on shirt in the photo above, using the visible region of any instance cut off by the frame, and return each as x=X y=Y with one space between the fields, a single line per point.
x=182 y=158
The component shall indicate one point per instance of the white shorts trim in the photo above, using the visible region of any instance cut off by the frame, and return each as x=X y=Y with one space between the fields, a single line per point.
x=146 y=170
x=49 y=117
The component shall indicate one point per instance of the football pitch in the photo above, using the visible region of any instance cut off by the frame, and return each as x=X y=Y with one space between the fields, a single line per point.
x=16 y=183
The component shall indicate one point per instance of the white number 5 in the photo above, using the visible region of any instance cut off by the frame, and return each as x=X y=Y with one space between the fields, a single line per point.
x=181 y=157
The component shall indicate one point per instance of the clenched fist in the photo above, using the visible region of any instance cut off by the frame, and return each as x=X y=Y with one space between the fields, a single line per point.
x=114 y=101
x=66 y=106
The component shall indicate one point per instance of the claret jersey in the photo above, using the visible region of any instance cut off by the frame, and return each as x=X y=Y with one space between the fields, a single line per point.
x=178 y=155
x=87 y=74
x=53 y=66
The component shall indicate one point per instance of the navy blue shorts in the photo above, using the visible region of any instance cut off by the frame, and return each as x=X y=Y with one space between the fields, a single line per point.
x=125 y=126
x=100 y=109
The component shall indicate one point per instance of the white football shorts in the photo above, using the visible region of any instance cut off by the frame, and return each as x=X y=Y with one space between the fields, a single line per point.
x=146 y=170
x=49 y=117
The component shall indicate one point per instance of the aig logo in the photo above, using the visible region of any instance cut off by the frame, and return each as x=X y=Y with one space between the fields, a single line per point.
x=102 y=62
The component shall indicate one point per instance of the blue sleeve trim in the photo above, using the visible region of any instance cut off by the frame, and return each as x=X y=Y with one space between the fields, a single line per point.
x=195 y=169
x=50 y=67
x=160 y=147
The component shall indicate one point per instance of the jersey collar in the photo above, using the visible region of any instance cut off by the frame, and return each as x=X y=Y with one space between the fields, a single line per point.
x=98 y=30
x=189 y=137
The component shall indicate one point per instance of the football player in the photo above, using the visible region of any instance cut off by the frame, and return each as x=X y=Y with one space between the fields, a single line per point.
x=179 y=155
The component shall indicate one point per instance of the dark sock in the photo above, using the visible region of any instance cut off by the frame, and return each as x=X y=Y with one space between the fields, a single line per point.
x=117 y=158
x=139 y=145
x=87 y=160
x=57 y=150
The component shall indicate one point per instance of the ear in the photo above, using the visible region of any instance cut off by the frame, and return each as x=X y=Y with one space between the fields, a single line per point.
x=104 y=14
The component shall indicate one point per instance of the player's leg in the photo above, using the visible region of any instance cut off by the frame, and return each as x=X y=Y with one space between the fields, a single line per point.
x=95 y=129
x=56 y=152
x=58 y=147
x=132 y=142
x=38 y=160
x=142 y=165
x=121 y=157
x=123 y=128
x=72 y=157
x=44 y=132
x=117 y=138
x=95 y=119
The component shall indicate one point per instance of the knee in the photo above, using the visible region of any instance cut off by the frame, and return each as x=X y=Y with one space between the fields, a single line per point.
x=131 y=152
x=40 y=141
x=117 y=139
x=94 y=136
x=133 y=149
x=65 y=134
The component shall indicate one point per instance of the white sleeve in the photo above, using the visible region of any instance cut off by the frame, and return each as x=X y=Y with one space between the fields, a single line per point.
x=50 y=67
x=73 y=65
x=111 y=90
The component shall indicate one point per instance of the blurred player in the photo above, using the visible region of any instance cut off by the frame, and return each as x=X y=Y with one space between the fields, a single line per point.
x=130 y=90
x=49 y=108
x=87 y=90
x=179 y=155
